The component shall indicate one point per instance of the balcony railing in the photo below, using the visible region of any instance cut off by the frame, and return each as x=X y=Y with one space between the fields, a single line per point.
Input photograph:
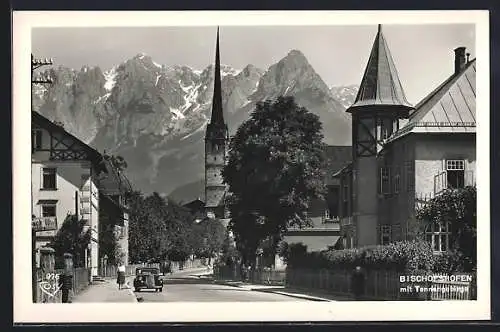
x=44 y=224
x=331 y=219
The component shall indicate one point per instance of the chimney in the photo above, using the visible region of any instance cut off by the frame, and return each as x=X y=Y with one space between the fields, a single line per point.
x=459 y=59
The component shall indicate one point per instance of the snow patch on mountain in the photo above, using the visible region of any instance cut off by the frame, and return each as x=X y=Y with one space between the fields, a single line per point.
x=199 y=129
x=346 y=95
x=101 y=98
x=110 y=77
x=177 y=114
x=190 y=97
x=228 y=70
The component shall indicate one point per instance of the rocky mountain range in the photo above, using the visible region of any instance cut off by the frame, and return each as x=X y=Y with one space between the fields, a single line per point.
x=155 y=115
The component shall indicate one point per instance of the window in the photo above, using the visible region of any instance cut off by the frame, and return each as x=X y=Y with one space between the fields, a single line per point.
x=385 y=234
x=438 y=235
x=397 y=183
x=409 y=167
x=385 y=128
x=48 y=210
x=455 y=174
x=36 y=140
x=49 y=178
x=385 y=180
x=345 y=201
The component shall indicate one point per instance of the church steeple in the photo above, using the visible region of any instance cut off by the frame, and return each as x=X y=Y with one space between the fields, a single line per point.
x=217 y=114
x=216 y=143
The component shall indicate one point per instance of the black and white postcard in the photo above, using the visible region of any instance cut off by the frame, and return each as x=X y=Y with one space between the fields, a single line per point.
x=251 y=166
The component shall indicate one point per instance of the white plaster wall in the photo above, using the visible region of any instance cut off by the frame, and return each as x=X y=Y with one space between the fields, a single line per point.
x=432 y=151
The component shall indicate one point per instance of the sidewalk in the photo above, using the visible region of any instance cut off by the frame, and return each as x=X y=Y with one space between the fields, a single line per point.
x=106 y=291
x=286 y=291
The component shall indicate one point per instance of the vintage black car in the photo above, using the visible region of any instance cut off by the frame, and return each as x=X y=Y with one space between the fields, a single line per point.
x=148 y=278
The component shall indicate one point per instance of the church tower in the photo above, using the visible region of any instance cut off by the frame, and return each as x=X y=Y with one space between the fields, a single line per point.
x=216 y=144
x=376 y=113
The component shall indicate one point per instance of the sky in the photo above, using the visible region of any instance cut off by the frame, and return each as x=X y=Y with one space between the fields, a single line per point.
x=423 y=54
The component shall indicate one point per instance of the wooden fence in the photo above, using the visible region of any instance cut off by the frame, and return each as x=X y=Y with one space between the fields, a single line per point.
x=265 y=276
x=379 y=285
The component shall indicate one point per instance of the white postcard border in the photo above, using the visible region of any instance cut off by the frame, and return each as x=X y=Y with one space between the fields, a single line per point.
x=25 y=311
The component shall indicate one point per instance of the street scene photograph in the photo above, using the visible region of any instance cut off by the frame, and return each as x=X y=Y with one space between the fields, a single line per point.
x=259 y=163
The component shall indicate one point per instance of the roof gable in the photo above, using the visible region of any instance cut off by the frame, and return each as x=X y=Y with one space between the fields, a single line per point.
x=91 y=154
x=450 y=108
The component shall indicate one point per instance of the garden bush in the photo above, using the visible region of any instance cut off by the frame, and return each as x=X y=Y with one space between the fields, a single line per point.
x=405 y=256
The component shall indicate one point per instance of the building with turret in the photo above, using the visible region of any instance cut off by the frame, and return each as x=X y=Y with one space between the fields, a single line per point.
x=404 y=155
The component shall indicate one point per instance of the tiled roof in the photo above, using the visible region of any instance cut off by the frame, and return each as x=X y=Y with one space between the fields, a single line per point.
x=337 y=157
x=197 y=205
x=450 y=108
x=380 y=84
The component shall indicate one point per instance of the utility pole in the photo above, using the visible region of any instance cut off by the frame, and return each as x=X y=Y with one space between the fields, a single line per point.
x=42 y=79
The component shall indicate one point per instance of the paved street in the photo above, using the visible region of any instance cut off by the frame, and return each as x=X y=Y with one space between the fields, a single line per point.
x=183 y=287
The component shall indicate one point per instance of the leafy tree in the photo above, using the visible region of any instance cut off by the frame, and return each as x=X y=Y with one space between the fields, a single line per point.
x=210 y=236
x=117 y=161
x=229 y=254
x=458 y=208
x=274 y=171
x=158 y=230
x=71 y=238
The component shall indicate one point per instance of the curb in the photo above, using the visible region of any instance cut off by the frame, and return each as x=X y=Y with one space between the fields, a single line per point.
x=297 y=296
x=130 y=289
x=263 y=290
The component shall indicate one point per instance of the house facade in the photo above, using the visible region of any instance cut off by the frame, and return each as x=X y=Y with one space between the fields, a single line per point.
x=66 y=175
x=404 y=155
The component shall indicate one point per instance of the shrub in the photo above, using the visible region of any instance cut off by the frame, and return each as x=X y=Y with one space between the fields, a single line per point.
x=405 y=256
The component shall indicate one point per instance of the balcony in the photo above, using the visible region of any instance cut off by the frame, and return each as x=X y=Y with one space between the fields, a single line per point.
x=44 y=224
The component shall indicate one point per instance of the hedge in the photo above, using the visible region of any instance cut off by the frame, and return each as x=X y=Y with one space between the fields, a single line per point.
x=404 y=256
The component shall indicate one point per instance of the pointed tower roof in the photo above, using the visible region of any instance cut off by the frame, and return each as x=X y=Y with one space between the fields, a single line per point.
x=380 y=85
x=217 y=114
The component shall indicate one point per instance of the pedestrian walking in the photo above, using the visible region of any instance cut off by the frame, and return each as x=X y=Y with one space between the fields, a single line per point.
x=121 y=276
x=358 y=283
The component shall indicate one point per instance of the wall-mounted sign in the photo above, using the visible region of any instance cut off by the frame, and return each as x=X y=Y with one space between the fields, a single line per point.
x=44 y=224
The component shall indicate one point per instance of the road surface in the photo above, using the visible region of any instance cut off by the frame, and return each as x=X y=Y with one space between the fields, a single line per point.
x=181 y=287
